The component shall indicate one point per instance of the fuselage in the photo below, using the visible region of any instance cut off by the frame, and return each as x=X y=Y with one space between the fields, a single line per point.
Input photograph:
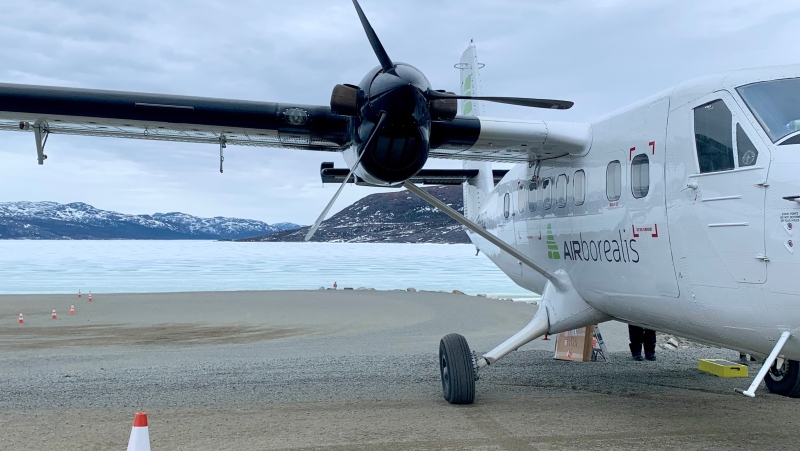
x=676 y=217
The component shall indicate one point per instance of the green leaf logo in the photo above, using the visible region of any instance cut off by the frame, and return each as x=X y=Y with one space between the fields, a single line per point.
x=552 y=246
x=467 y=91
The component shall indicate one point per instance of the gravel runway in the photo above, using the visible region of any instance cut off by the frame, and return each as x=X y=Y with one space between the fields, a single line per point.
x=346 y=370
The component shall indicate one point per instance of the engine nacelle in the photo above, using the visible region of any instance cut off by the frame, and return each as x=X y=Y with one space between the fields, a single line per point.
x=400 y=149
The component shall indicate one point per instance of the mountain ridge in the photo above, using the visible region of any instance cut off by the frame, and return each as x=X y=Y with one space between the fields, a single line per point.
x=78 y=220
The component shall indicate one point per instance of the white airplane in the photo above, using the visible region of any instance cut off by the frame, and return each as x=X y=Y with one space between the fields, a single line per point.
x=677 y=213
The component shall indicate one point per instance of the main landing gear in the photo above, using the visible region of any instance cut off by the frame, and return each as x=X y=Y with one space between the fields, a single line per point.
x=783 y=378
x=458 y=369
x=459 y=366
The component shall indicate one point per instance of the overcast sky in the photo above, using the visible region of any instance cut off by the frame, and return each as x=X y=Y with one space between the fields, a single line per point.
x=601 y=54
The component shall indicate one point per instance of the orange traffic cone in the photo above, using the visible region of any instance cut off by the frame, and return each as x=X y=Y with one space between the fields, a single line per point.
x=79 y=293
x=20 y=320
x=72 y=309
x=53 y=316
x=90 y=296
x=140 y=438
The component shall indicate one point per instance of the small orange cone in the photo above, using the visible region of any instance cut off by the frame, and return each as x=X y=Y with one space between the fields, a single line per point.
x=79 y=293
x=140 y=438
x=20 y=320
x=90 y=296
x=72 y=309
x=53 y=316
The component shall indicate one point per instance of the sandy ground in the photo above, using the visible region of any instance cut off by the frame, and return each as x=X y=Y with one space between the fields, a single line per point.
x=346 y=370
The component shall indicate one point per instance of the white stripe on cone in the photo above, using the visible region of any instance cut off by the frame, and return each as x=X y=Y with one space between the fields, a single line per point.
x=140 y=438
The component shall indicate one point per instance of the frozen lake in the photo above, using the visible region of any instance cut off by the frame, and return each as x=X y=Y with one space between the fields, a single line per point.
x=164 y=266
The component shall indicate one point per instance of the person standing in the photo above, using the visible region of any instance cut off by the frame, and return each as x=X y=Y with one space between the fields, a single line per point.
x=642 y=338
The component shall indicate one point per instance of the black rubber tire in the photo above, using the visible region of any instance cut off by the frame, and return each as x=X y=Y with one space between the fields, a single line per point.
x=455 y=367
x=785 y=380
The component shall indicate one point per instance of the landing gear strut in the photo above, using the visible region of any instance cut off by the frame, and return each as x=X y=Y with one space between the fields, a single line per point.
x=457 y=368
x=773 y=362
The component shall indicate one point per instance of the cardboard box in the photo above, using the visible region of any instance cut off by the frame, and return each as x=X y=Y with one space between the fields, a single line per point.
x=722 y=368
x=575 y=345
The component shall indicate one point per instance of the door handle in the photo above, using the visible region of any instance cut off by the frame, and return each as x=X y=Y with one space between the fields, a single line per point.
x=792 y=198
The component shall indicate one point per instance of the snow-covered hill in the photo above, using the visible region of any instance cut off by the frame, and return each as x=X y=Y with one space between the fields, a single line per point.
x=51 y=220
x=392 y=217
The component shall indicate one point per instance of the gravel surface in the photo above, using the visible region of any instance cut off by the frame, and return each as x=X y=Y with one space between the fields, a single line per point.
x=347 y=370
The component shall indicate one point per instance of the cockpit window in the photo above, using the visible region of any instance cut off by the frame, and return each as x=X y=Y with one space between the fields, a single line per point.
x=713 y=137
x=775 y=104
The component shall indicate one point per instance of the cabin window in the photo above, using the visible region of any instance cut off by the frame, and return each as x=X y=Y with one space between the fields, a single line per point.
x=506 y=205
x=561 y=190
x=748 y=154
x=579 y=187
x=522 y=198
x=614 y=181
x=713 y=137
x=640 y=176
x=533 y=193
x=547 y=192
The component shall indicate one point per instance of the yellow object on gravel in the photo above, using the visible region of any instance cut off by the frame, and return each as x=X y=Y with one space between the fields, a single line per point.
x=722 y=368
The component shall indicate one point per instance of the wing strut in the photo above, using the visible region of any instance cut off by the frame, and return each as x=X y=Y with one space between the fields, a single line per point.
x=483 y=233
x=382 y=120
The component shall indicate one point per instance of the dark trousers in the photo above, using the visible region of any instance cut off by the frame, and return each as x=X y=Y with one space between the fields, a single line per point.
x=642 y=337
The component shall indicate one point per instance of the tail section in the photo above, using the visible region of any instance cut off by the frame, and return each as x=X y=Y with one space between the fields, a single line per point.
x=477 y=188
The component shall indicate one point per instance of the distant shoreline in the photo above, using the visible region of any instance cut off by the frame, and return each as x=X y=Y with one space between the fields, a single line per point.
x=345 y=290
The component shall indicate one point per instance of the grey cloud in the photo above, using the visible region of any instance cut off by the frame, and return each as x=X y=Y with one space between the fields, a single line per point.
x=601 y=54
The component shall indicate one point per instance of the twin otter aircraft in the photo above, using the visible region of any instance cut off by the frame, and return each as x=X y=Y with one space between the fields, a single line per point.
x=677 y=213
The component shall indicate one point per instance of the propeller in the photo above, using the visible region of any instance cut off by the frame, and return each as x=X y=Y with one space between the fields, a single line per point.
x=397 y=98
x=378 y=127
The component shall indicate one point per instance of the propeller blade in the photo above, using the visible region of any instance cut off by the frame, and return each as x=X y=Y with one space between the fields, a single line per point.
x=381 y=123
x=377 y=47
x=519 y=101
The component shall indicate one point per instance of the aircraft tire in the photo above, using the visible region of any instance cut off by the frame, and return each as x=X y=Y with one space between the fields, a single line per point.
x=455 y=367
x=785 y=380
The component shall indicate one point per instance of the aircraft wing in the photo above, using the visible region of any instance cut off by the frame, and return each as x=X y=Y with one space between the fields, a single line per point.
x=93 y=112
x=90 y=112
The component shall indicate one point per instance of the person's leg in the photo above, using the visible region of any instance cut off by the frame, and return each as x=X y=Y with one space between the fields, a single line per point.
x=649 y=336
x=635 y=334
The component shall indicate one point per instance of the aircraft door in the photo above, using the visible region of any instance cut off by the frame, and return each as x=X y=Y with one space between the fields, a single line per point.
x=647 y=204
x=520 y=206
x=507 y=212
x=722 y=224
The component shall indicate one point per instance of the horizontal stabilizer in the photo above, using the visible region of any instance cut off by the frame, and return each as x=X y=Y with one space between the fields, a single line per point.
x=330 y=174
